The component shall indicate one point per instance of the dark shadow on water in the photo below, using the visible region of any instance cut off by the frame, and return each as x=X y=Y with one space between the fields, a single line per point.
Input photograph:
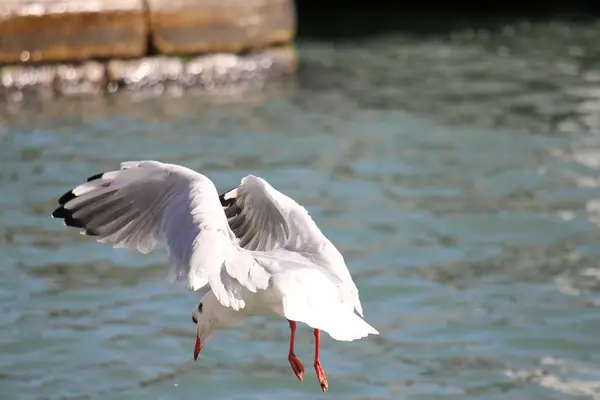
x=320 y=20
x=529 y=69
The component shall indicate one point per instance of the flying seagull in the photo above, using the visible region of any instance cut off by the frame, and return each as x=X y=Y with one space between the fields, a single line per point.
x=251 y=250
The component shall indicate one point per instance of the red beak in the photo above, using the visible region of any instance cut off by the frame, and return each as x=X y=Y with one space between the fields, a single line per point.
x=198 y=347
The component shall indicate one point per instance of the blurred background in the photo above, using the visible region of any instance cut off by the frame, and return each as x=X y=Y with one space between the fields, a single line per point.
x=453 y=157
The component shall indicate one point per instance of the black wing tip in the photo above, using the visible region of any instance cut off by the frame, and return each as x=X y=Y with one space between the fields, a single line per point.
x=65 y=198
x=94 y=177
x=227 y=202
x=74 y=222
x=67 y=216
x=61 y=212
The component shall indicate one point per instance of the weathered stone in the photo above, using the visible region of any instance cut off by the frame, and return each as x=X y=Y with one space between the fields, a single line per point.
x=208 y=26
x=71 y=30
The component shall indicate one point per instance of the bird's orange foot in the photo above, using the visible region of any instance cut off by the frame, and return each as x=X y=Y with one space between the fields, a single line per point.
x=321 y=376
x=296 y=366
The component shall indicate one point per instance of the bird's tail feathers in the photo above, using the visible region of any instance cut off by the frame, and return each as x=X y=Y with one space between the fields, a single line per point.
x=310 y=297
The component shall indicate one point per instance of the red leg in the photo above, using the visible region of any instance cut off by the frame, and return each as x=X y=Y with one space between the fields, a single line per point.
x=294 y=362
x=318 y=368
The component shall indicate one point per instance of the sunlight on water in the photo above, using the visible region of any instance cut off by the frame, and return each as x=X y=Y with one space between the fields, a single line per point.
x=474 y=246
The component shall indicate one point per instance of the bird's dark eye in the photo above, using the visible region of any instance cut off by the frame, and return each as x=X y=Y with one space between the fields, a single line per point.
x=194 y=319
x=200 y=307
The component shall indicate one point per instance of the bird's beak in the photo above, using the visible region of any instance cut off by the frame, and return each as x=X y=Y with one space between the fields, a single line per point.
x=198 y=347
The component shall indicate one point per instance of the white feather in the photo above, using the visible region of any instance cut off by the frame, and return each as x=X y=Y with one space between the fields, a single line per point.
x=261 y=242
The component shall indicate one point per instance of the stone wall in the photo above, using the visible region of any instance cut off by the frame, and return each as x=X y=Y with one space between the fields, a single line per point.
x=72 y=46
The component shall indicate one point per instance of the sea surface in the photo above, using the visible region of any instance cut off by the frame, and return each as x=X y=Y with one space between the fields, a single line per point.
x=458 y=173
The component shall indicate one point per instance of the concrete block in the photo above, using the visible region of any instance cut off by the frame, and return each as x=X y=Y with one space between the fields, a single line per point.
x=212 y=26
x=33 y=31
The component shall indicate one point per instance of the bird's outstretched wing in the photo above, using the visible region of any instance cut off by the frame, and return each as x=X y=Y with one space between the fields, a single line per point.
x=147 y=202
x=264 y=219
x=255 y=216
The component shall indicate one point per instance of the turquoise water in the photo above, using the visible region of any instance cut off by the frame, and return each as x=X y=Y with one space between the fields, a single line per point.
x=461 y=186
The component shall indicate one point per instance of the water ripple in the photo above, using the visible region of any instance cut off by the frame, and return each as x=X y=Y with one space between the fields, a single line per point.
x=474 y=247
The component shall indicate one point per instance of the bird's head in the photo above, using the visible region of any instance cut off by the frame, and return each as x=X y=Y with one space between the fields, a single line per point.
x=209 y=316
x=205 y=326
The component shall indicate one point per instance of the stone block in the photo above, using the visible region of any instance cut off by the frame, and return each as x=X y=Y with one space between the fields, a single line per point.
x=34 y=31
x=212 y=26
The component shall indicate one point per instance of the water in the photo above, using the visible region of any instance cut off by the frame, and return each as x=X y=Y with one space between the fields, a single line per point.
x=457 y=173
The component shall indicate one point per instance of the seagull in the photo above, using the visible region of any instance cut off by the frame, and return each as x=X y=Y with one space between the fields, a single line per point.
x=250 y=251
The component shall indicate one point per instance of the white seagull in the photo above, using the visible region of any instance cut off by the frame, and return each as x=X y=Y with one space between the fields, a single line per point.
x=254 y=250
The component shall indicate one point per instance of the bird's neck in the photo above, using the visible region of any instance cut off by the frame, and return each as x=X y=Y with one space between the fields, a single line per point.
x=223 y=317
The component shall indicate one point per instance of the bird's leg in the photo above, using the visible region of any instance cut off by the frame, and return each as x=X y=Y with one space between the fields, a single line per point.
x=318 y=368
x=294 y=362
